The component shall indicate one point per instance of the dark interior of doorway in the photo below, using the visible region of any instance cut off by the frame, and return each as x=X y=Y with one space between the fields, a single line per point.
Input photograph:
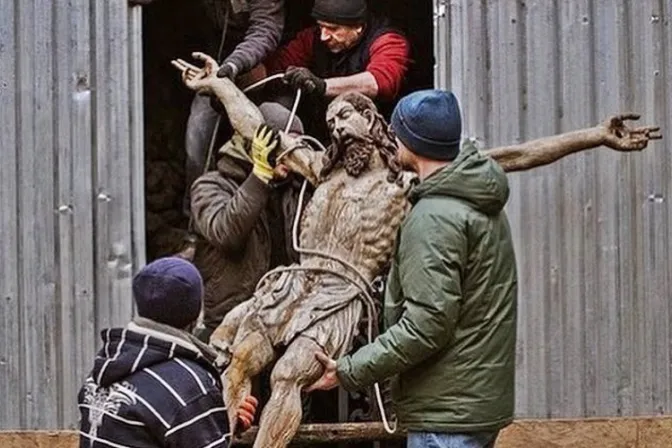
x=175 y=28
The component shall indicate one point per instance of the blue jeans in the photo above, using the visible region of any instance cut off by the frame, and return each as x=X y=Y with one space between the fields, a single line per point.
x=447 y=440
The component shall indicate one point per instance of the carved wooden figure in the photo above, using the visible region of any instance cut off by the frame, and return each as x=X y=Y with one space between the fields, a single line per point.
x=347 y=232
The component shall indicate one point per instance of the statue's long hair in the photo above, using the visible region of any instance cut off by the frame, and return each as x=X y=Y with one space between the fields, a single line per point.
x=381 y=138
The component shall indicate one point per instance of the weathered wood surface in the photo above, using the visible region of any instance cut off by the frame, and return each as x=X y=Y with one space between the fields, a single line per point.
x=340 y=432
x=10 y=306
x=66 y=225
x=593 y=232
x=653 y=432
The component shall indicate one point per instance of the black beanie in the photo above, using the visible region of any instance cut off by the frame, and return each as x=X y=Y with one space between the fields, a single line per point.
x=341 y=12
x=169 y=291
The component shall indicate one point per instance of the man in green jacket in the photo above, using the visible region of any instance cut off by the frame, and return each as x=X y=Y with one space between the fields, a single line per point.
x=450 y=304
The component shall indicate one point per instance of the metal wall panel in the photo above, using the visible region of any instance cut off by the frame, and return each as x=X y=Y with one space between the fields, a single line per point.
x=593 y=231
x=71 y=195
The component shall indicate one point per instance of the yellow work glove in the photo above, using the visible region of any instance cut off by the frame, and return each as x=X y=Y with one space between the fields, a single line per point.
x=264 y=144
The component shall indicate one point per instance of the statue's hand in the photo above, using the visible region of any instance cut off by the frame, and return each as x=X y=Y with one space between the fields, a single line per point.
x=201 y=80
x=621 y=137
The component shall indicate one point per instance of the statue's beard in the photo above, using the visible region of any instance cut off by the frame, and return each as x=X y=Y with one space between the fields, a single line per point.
x=356 y=154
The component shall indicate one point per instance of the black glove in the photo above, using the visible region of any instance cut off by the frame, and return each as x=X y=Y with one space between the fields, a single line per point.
x=304 y=79
x=227 y=70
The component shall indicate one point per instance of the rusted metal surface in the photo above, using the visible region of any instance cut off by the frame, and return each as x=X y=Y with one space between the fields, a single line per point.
x=594 y=231
x=71 y=224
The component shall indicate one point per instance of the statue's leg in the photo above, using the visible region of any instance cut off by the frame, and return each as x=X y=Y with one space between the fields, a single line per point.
x=250 y=355
x=224 y=335
x=296 y=369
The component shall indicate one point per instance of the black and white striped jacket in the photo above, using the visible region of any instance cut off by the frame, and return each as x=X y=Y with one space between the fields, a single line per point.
x=152 y=386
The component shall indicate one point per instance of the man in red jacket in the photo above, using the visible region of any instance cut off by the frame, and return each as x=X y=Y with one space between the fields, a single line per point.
x=347 y=50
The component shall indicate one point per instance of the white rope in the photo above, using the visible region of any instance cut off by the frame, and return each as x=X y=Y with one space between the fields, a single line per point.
x=262 y=82
x=295 y=107
x=315 y=141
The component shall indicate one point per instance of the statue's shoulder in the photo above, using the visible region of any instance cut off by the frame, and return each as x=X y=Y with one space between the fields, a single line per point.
x=336 y=177
x=408 y=179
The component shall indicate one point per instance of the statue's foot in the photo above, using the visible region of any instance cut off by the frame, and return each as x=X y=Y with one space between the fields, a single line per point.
x=223 y=353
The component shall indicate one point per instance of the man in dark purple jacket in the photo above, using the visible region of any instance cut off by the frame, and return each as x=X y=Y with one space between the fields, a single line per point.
x=153 y=384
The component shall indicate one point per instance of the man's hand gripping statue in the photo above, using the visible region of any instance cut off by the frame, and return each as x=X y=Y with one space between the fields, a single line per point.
x=244 y=115
x=347 y=237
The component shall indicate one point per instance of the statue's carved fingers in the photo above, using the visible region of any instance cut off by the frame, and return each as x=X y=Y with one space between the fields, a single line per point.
x=211 y=65
x=628 y=116
x=188 y=65
x=644 y=130
x=178 y=64
x=189 y=72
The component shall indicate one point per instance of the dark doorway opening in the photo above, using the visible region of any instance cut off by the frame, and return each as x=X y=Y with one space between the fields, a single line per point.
x=175 y=28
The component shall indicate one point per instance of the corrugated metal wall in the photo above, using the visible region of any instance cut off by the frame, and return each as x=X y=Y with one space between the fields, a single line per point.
x=71 y=196
x=593 y=232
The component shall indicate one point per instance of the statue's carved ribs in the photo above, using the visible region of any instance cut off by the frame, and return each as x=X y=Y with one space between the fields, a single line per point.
x=379 y=231
x=369 y=210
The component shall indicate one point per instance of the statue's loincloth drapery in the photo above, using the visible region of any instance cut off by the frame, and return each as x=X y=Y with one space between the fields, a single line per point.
x=322 y=306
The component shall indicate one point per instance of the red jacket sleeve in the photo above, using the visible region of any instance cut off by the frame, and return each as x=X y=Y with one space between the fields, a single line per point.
x=298 y=52
x=388 y=63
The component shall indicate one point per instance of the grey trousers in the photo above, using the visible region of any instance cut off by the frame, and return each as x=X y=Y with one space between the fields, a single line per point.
x=200 y=126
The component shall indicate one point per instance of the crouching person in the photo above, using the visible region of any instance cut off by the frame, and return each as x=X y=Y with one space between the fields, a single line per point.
x=153 y=384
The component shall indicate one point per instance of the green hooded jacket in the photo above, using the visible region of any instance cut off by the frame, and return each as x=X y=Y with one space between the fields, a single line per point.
x=450 y=306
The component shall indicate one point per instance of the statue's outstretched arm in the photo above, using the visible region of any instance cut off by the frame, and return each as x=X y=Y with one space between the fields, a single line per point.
x=613 y=133
x=245 y=116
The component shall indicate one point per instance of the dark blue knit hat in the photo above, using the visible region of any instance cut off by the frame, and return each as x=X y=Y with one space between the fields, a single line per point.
x=429 y=123
x=169 y=291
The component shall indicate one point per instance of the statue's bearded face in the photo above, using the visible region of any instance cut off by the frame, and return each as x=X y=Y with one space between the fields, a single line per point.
x=358 y=132
x=345 y=122
x=350 y=133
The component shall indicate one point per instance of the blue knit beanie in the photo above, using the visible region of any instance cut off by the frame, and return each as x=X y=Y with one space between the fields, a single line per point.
x=429 y=123
x=169 y=291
